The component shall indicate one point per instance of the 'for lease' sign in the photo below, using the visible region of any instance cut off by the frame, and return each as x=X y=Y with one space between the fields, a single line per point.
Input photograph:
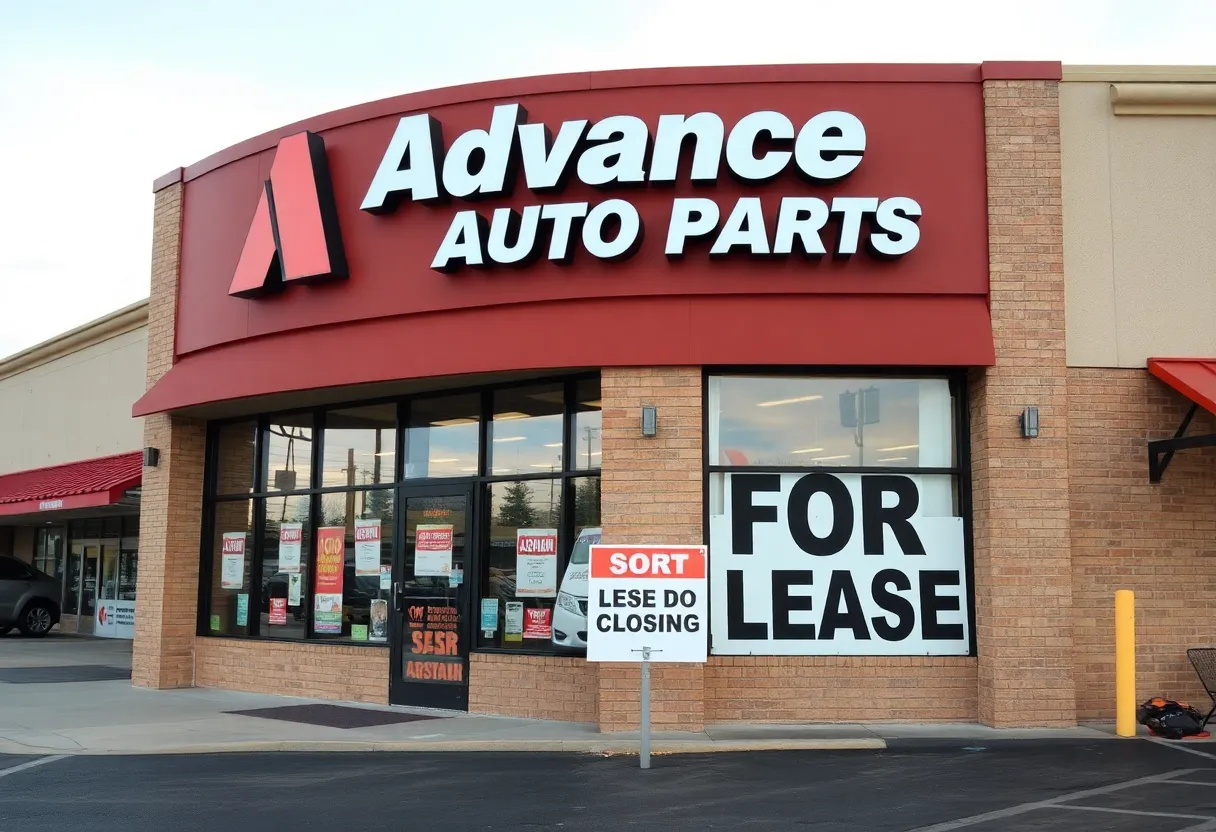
x=647 y=596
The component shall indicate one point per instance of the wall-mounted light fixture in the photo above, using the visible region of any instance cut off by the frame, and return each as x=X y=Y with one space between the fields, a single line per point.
x=151 y=457
x=1030 y=422
x=650 y=420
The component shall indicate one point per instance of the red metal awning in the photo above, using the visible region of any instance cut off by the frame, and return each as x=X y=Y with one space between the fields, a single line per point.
x=91 y=482
x=1194 y=378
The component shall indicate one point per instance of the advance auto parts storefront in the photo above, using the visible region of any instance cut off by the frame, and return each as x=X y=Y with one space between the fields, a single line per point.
x=405 y=350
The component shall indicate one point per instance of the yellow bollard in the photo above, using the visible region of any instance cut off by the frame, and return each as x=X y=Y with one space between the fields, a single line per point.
x=1125 y=663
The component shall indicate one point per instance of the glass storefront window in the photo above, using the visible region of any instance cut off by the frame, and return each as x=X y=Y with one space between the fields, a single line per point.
x=522 y=504
x=570 y=612
x=831 y=421
x=48 y=553
x=353 y=517
x=588 y=424
x=526 y=430
x=71 y=596
x=289 y=453
x=234 y=457
x=107 y=589
x=128 y=569
x=443 y=437
x=360 y=446
x=286 y=544
x=231 y=566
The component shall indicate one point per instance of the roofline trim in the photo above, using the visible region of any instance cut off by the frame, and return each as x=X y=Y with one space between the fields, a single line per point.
x=119 y=322
x=515 y=88
x=1134 y=73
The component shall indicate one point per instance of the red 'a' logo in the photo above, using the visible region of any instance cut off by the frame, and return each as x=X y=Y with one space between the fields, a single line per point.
x=294 y=235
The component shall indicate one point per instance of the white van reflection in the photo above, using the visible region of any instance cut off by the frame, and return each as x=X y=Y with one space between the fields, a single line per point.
x=570 y=614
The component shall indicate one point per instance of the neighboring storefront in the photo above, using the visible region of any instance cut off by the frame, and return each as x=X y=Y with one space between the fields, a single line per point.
x=408 y=361
x=71 y=468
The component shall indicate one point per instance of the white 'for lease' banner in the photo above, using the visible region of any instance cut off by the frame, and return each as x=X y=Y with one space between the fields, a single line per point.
x=823 y=564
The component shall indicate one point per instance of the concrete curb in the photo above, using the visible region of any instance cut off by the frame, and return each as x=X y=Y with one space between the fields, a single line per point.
x=569 y=746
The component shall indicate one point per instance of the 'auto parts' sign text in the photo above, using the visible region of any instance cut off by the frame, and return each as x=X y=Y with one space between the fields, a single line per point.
x=620 y=152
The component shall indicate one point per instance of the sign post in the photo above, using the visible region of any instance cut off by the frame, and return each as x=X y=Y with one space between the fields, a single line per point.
x=644 y=749
x=647 y=600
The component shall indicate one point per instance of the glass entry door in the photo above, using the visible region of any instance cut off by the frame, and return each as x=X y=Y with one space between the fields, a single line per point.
x=431 y=595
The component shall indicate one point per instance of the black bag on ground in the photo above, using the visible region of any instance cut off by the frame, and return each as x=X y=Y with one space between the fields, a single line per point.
x=1170 y=719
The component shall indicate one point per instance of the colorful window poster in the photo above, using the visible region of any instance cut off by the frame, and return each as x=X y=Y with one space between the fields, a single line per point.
x=367 y=547
x=295 y=589
x=358 y=632
x=242 y=609
x=232 y=565
x=291 y=535
x=215 y=624
x=538 y=623
x=489 y=615
x=378 y=629
x=278 y=611
x=327 y=613
x=536 y=563
x=431 y=649
x=433 y=551
x=513 y=627
x=331 y=554
x=386 y=577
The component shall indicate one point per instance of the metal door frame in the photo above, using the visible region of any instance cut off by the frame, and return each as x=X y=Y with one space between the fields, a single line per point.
x=399 y=688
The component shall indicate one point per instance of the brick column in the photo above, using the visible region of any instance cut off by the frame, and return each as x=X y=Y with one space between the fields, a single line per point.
x=171 y=502
x=652 y=492
x=1023 y=570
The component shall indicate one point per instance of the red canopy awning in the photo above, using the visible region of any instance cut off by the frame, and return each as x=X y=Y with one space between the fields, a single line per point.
x=1194 y=378
x=91 y=482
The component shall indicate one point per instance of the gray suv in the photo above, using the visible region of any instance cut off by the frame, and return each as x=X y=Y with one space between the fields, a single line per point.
x=28 y=598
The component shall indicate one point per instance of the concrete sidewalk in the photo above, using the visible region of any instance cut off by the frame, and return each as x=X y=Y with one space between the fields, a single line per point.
x=112 y=717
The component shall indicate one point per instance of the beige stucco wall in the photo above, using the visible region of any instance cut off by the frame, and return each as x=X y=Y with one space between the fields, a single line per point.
x=1139 y=194
x=76 y=406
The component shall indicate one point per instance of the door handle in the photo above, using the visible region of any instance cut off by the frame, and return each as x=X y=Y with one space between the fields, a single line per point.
x=397 y=596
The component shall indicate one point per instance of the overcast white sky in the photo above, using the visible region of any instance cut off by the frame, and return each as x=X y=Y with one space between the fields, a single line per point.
x=97 y=99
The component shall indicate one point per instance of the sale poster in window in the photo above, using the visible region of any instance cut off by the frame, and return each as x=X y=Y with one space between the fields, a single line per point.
x=538 y=622
x=291 y=535
x=331 y=554
x=232 y=565
x=433 y=551
x=536 y=563
x=367 y=547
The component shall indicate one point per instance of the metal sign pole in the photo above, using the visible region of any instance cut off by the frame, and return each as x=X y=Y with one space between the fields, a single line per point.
x=644 y=751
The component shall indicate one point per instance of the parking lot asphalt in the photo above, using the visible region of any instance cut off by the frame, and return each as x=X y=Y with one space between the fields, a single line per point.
x=913 y=785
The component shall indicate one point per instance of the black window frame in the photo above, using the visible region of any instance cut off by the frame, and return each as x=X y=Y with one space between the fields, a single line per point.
x=959 y=385
x=480 y=483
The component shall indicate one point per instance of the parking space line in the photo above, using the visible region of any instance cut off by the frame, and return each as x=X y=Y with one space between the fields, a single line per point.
x=1184 y=749
x=1191 y=782
x=1130 y=812
x=1054 y=802
x=41 y=761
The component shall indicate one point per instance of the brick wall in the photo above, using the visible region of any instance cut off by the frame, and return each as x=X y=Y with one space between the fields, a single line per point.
x=652 y=492
x=536 y=687
x=1157 y=540
x=840 y=689
x=1023 y=571
x=171 y=502
x=315 y=671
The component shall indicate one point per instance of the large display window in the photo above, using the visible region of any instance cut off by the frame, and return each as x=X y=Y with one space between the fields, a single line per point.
x=838 y=515
x=304 y=527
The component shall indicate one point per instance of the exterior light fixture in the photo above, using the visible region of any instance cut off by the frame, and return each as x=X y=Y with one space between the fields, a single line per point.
x=650 y=420
x=1030 y=422
x=151 y=457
